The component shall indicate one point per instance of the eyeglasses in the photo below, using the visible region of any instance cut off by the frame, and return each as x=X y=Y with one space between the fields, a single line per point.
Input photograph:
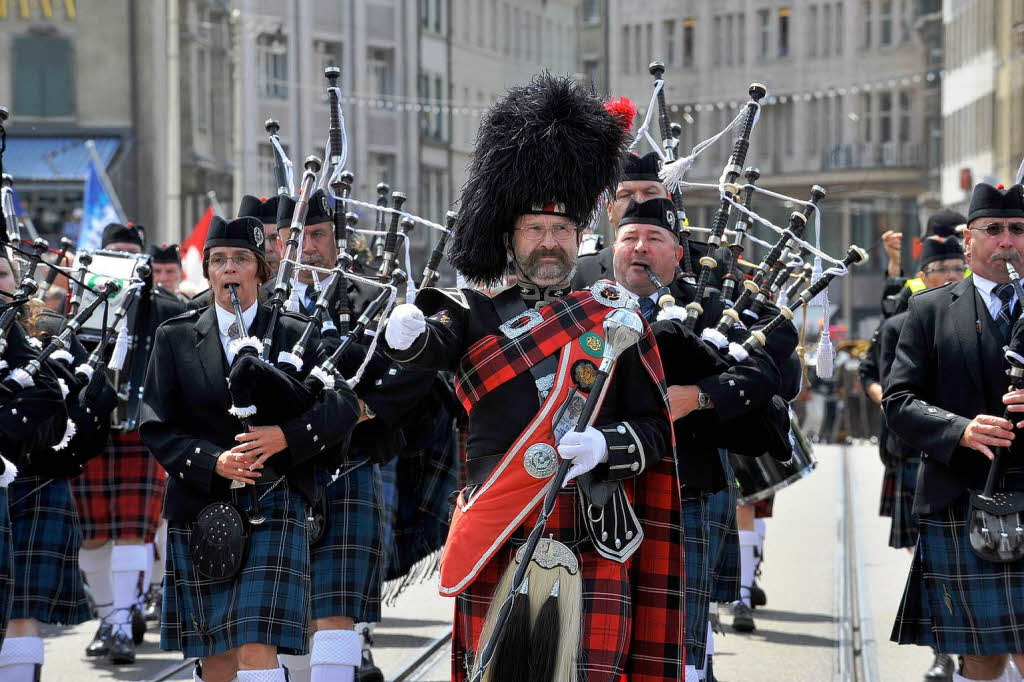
x=996 y=229
x=947 y=270
x=241 y=260
x=535 y=233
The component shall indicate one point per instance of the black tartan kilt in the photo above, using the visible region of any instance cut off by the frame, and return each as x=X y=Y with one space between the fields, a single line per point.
x=696 y=553
x=903 y=530
x=47 y=538
x=348 y=562
x=955 y=601
x=267 y=603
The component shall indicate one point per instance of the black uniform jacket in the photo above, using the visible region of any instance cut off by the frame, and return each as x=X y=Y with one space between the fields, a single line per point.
x=594 y=266
x=33 y=418
x=888 y=337
x=185 y=420
x=948 y=370
x=632 y=401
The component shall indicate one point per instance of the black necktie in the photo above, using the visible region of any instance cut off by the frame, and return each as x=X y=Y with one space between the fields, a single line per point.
x=647 y=308
x=1007 y=314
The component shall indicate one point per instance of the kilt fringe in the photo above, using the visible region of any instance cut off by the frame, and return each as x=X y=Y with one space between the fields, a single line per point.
x=420 y=572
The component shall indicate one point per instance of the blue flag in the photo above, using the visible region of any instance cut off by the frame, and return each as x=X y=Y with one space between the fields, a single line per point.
x=98 y=211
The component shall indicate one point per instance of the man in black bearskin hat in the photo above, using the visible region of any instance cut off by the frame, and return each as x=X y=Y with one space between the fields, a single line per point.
x=544 y=155
x=945 y=397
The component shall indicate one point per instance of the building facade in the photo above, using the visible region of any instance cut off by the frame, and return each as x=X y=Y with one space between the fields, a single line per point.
x=847 y=82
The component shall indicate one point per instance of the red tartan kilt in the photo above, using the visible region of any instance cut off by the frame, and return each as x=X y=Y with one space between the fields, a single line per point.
x=607 y=602
x=121 y=493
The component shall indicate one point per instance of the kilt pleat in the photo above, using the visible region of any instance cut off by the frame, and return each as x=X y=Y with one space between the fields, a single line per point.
x=956 y=601
x=607 y=604
x=724 y=545
x=887 y=499
x=903 y=530
x=267 y=603
x=6 y=569
x=120 y=495
x=46 y=539
x=347 y=564
x=697 y=556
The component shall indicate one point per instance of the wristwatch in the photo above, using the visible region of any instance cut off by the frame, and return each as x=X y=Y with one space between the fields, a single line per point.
x=703 y=400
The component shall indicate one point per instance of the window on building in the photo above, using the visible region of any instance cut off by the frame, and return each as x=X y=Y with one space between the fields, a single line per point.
x=730 y=42
x=625 y=50
x=741 y=42
x=866 y=12
x=839 y=29
x=638 y=46
x=784 y=31
x=905 y=110
x=670 y=42
x=866 y=118
x=438 y=117
x=202 y=89
x=812 y=35
x=272 y=61
x=426 y=113
x=327 y=53
x=906 y=20
x=592 y=11
x=885 y=117
x=481 y=20
x=646 y=59
x=688 y=26
x=764 y=22
x=381 y=169
x=425 y=13
x=717 y=44
x=885 y=23
x=517 y=33
x=380 y=65
x=437 y=16
x=812 y=126
x=591 y=71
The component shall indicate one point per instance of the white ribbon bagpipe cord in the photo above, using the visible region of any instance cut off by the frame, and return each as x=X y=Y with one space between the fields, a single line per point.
x=643 y=132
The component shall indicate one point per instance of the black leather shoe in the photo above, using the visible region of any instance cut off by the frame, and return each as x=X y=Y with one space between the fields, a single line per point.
x=154 y=604
x=742 y=618
x=100 y=644
x=368 y=671
x=122 y=649
x=941 y=670
x=757 y=595
x=138 y=625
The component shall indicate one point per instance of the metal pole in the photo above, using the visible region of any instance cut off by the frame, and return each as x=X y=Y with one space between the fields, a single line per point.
x=171 y=230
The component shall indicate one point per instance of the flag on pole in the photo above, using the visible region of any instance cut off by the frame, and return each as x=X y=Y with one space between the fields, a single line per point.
x=192 y=254
x=100 y=206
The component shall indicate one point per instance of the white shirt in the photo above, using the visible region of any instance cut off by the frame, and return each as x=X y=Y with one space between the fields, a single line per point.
x=225 y=320
x=986 y=288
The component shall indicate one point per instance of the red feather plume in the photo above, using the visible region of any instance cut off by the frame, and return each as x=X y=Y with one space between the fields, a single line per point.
x=624 y=111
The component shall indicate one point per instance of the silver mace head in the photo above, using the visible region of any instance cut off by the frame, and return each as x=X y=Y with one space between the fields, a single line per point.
x=622 y=329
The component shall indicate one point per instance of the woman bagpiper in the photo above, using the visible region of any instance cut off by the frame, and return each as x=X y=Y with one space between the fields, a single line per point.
x=238 y=622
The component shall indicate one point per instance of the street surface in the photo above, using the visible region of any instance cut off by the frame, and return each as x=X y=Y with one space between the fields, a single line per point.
x=830 y=606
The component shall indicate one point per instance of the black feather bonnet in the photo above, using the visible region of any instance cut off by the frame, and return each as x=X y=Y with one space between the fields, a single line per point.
x=548 y=142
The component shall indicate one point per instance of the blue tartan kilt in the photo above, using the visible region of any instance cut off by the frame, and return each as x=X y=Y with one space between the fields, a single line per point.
x=903 y=530
x=724 y=544
x=348 y=562
x=266 y=603
x=696 y=554
x=46 y=536
x=6 y=573
x=955 y=601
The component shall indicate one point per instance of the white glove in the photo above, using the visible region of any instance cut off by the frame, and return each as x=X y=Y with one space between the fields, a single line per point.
x=586 y=449
x=404 y=326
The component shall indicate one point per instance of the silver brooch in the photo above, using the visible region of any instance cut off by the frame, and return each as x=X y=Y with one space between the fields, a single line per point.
x=608 y=294
x=520 y=324
x=550 y=554
x=540 y=460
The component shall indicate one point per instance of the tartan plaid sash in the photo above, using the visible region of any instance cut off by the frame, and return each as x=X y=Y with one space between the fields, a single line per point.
x=495 y=359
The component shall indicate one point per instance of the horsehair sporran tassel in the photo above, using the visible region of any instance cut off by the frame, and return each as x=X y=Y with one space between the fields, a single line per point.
x=546 y=635
x=511 y=659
